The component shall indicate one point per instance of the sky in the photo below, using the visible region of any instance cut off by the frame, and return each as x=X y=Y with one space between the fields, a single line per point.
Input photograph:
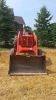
x=28 y=9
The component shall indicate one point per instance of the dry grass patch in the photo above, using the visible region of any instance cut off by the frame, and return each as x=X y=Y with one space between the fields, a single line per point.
x=41 y=87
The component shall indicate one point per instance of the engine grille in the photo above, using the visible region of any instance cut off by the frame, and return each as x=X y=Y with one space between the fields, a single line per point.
x=27 y=41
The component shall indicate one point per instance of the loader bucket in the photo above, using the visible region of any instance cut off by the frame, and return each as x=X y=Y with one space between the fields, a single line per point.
x=27 y=65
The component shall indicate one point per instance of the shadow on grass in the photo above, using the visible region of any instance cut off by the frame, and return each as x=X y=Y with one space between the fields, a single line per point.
x=50 y=72
x=49 y=63
x=48 y=60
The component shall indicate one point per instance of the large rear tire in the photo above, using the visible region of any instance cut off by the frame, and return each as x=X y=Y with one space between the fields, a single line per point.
x=12 y=52
x=39 y=51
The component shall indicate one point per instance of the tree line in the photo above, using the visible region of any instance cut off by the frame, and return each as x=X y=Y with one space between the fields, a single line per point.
x=45 y=31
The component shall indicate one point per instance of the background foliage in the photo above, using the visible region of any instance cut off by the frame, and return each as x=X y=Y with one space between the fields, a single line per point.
x=45 y=31
x=7 y=31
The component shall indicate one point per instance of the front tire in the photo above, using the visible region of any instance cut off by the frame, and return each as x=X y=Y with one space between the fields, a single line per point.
x=39 y=51
x=12 y=52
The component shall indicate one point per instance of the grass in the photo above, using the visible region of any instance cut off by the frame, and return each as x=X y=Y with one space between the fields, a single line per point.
x=5 y=47
x=8 y=47
x=41 y=47
x=40 y=87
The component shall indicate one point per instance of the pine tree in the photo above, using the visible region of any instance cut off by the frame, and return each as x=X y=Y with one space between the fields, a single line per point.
x=6 y=20
x=43 y=26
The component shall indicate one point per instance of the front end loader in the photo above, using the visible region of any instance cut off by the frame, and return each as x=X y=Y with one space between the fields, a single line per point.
x=25 y=57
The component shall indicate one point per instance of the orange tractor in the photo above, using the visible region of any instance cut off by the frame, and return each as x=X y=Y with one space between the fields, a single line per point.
x=32 y=61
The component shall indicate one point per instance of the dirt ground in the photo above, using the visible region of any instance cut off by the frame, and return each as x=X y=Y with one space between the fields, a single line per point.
x=40 y=87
